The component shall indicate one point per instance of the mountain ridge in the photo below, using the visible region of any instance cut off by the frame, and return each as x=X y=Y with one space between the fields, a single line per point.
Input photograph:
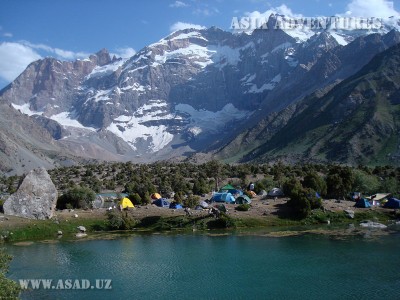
x=354 y=123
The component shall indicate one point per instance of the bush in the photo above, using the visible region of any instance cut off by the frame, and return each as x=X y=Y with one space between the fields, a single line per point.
x=313 y=181
x=291 y=187
x=301 y=203
x=118 y=220
x=77 y=197
x=243 y=207
x=191 y=201
x=8 y=289
x=223 y=221
x=135 y=198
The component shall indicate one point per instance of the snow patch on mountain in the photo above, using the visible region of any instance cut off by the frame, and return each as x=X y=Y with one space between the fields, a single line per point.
x=25 y=109
x=197 y=53
x=132 y=128
x=106 y=69
x=141 y=89
x=68 y=119
x=100 y=95
x=266 y=86
x=193 y=34
x=208 y=121
x=339 y=38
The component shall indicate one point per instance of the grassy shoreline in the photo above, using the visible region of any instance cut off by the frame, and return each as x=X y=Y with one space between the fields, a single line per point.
x=37 y=230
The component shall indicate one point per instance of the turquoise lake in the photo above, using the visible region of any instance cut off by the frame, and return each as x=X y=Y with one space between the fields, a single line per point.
x=200 y=266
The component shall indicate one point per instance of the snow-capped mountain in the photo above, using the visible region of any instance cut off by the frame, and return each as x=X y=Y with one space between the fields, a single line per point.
x=188 y=92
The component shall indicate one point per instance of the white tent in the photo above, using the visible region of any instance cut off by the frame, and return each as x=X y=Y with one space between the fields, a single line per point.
x=275 y=192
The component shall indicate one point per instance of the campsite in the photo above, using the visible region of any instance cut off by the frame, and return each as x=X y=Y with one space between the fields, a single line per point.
x=165 y=196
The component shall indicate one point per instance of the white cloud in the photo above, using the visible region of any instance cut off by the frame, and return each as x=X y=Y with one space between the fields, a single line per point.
x=7 y=34
x=207 y=11
x=60 y=53
x=15 y=58
x=281 y=10
x=371 y=8
x=179 y=4
x=182 y=25
x=126 y=52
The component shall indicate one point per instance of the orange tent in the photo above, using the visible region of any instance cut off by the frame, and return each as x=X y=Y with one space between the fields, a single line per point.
x=155 y=196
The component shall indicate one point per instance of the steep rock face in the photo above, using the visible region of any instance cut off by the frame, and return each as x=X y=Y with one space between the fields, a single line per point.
x=36 y=197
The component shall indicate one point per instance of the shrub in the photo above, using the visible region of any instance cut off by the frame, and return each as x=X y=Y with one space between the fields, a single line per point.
x=243 y=207
x=118 y=220
x=291 y=187
x=77 y=197
x=8 y=289
x=301 y=203
x=135 y=198
x=191 y=201
x=313 y=181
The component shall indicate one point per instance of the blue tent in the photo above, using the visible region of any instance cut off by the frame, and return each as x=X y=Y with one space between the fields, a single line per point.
x=223 y=197
x=392 y=203
x=175 y=205
x=162 y=202
x=363 y=203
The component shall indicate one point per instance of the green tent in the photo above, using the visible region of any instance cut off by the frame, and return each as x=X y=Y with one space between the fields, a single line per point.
x=243 y=200
x=227 y=188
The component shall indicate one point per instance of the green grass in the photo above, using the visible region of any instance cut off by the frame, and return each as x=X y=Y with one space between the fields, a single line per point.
x=48 y=229
x=42 y=230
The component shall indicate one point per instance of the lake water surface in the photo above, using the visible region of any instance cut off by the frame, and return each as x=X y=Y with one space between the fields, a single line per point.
x=216 y=267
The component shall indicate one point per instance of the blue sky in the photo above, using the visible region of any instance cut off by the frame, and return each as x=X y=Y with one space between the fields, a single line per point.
x=71 y=29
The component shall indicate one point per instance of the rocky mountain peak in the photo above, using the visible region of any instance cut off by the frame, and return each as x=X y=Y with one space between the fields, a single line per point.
x=101 y=58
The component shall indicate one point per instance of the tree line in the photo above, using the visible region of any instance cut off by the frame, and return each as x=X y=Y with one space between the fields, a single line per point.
x=139 y=181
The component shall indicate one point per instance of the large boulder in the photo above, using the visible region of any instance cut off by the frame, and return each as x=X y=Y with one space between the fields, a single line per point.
x=36 y=197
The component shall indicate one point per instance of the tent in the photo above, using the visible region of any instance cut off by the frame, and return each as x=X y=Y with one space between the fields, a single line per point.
x=230 y=189
x=379 y=198
x=392 y=203
x=227 y=188
x=275 y=192
x=251 y=194
x=155 y=196
x=162 y=202
x=363 y=203
x=175 y=205
x=203 y=204
x=263 y=193
x=125 y=203
x=223 y=197
x=243 y=200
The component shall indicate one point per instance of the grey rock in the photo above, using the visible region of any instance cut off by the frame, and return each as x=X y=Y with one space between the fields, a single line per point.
x=81 y=228
x=80 y=235
x=370 y=224
x=349 y=213
x=36 y=198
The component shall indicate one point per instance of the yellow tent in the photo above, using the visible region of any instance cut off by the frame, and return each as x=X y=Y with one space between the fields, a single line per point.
x=126 y=203
x=155 y=196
